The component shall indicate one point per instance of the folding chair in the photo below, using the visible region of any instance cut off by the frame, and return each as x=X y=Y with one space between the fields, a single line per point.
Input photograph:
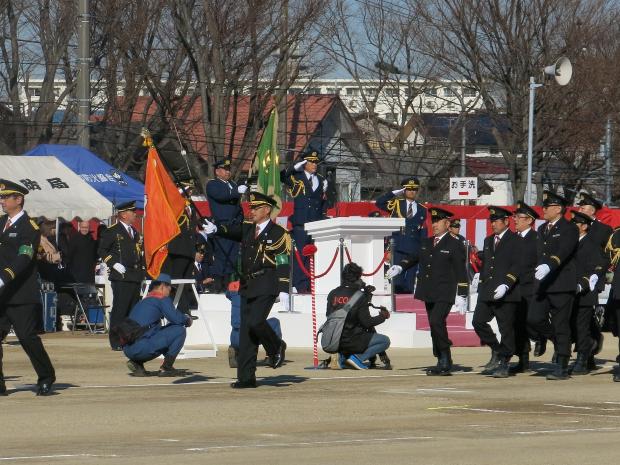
x=88 y=306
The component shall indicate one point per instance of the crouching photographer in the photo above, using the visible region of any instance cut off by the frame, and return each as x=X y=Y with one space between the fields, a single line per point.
x=359 y=341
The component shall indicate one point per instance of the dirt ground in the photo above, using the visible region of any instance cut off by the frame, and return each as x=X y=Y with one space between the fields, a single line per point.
x=100 y=415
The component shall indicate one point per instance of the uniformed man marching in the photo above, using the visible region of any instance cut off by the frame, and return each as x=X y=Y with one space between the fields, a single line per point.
x=308 y=189
x=589 y=271
x=556 y=280
x=401 y=203
x=265 y=249
x=442 y=279
x=20 y=295
x=498 y=293
x=120 y=247
x=525 y=218
x=224 y=196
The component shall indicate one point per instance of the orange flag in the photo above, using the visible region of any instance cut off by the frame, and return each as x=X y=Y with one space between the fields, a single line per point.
x=164 y=205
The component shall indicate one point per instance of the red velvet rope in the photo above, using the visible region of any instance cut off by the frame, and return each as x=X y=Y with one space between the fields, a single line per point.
x=385 y=255
x=307 y=273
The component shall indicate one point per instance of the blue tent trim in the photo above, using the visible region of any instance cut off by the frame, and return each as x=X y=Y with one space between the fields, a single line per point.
x=114 y=185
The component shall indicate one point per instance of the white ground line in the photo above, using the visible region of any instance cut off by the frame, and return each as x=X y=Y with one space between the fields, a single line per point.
x=568 y=406
x=575 y=430
x=57 y=456
x=307 y=443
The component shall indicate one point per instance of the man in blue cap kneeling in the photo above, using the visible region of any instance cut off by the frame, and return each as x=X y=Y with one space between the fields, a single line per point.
x=156 y=339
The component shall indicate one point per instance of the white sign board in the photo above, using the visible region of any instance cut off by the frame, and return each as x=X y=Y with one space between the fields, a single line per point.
x=463 y=188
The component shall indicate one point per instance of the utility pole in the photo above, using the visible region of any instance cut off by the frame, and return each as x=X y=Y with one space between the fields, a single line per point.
x=608 y=173
x=283 y=87
x=83 y=85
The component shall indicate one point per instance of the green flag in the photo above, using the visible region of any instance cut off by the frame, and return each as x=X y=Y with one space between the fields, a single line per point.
x=267 y=163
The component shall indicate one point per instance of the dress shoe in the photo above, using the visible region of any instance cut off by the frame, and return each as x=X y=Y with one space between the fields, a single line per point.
x=540 y=347
x=523 y=366
x=492 y=364
x=44 y=389
x=136 y=368
x=243 y=384
x=560 y=371
x=277 y=359
x=443 y=367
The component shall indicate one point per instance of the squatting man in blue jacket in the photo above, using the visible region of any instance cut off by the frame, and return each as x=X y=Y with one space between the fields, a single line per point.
x=157 y=340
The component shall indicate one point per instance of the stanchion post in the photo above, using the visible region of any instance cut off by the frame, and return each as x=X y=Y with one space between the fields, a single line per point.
x=467 y=246
x=290 y=276
x=315 y=350
x=392 y=286
x=341 y=249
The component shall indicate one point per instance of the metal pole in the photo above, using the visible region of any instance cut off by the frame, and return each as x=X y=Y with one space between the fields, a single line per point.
x=530 y=141
x=341 y=251
x=83 y=85
x=608 y=173
x=463 y=142
x=290 y=276
x=392 y=294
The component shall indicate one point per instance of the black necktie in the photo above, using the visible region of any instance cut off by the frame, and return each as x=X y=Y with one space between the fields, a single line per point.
x=410 y=211
x=496 y=242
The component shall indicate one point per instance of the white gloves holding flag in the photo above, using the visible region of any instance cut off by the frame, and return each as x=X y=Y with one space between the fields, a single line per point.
x=242 y=189
x=284 y=300
x=119 y=267
x=474 y=282
x=393 y=271
x=500 y=291
x=592 y=281
x=461 y=304
x=300 y=165
x=398 y=191
x=542 y=271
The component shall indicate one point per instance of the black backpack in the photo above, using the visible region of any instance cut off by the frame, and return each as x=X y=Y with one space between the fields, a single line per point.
x=331 y=330
x=126 y=333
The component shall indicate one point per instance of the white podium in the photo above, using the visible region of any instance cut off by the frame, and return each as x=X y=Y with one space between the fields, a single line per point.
x=363 y=237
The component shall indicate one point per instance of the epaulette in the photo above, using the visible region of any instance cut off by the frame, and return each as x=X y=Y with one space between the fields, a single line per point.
x=248 y=221
x=34 y=224
x=112 y=225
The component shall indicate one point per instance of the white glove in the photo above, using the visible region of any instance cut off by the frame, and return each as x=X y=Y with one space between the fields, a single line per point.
x=474 y=282
x=542 y=271
x=579 y=289
x=242 y=188
x=119 y=267
x=208 y=227
x=284 y=301
x=398 y=191
x=593 y=280
x=300 y=165
x=500 y=291
x=1 y=283
x=325 y=185
x=393 y=271
x=461 y=304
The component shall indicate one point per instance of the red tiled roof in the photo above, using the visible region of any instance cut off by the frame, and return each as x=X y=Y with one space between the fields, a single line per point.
x=304 y=114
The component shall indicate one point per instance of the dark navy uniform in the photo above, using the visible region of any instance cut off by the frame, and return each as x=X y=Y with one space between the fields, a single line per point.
x=612 y=313
x=407 y=241
x=264 y=274
x=20 y=296
x=441 y=276
x=500 y=267
x=117 y=246
x=225 y=204
x=589 y=263
x=309 y=204
x=553 y=299
x=528 y=255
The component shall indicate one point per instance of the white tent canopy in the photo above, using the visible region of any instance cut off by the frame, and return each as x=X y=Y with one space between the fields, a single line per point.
x=55 y=190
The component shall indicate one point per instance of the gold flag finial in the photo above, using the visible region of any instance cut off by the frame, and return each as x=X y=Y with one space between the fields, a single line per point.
x=148 y=140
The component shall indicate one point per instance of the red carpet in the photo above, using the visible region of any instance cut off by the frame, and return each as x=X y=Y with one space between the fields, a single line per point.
x=459 y=334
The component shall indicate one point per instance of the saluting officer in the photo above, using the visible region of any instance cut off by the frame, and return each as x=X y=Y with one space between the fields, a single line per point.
x=589 y=271
x=224 y=196
x=556 y=277
x=498 y=293
x=525 y=218
x=600 y=233
x=309 y=192
x=265 y=250
x=120 y=248
x=401 y=203
x=20 y=295
x=441 y=277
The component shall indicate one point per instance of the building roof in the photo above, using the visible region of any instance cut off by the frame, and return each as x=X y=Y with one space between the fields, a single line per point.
x=442 y=126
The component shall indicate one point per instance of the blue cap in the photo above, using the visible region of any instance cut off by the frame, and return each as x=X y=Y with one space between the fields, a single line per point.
x=164 y=278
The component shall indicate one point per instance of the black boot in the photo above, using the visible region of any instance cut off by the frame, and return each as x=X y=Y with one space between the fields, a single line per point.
x=617 y=374
x=502 y=370
x=523 y=366
x=540 y=347
x=592 y=363
x=443 y=367
x=492 y=364
x=167 y=369
x=554 y=357
x=581 y=365
x=2 y=387
x=387 y=363
x=560 y=371
x=276 y=360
